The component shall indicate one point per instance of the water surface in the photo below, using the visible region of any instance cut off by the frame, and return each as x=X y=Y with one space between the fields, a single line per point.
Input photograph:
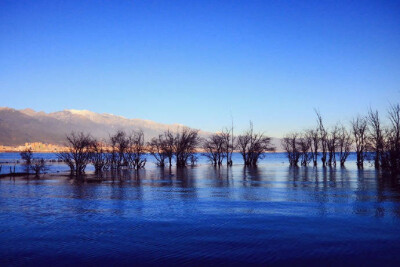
x=272 y=215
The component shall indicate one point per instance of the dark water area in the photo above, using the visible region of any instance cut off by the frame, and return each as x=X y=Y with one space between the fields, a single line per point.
x=270 y=215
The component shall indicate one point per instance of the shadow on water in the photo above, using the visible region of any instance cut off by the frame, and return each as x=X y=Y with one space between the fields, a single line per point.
x=369 y=192
x=252 y=176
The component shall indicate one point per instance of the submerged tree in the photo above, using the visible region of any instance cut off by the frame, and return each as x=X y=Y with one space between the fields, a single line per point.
x=99 y=156
x=119 y=143
x=344 y=145
x=193 y=159
x=323 y=138
x=313 y=135
x=253 y=146
x=332 y=139
x=157 y=149
x=375 y=137
x=168 y=146
x=305 y=143
x=78 y=154
x=162 y=148
x=135 y=151
x=359 y=129
x=290 y=145
x=185 y=143
x=215 y=149
x=38 y=166
x=27 y=157
x=229 y=144
x=392 y=146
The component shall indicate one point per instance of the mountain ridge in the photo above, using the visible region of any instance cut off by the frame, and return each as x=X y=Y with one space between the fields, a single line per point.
x=27 y=125
x=20 y=126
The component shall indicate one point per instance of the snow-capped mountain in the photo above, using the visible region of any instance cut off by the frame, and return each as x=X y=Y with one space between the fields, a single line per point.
x=27 y=125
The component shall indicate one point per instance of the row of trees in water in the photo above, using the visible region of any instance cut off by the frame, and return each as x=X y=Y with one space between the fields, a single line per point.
x=127 y=150
x=368 y=137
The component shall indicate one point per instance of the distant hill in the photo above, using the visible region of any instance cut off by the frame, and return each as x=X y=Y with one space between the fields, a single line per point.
x=27 y=125
x=20 y=126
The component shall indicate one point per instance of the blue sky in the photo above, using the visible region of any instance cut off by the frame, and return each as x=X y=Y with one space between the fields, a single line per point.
x=198 y=62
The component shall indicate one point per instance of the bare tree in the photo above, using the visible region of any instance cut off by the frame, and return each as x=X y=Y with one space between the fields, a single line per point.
x=359 y=129
x=38 y=166
x=119 y=143
x=185 y=145
x=67 y=158
x=290 y=145
x=215 y=148
x=375 y=137
x=253 y=146
x=229 y=144
x=135 y=151
x=168 y=146
x=305 y=143
x=344 y=145
x=78 y=154
x=99 y=156
x=313 y=135
x=157 y=149
x=193 y=159
x=323 y=137
x=27 y=156
x=331 y=140
x=392 y=146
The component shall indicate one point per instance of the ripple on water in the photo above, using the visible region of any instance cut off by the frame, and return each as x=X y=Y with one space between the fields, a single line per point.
x=271 y=214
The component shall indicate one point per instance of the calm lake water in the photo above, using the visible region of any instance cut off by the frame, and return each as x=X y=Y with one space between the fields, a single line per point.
x=270 y=215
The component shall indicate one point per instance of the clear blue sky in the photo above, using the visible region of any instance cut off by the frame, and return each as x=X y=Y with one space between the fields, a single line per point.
x=196 y=62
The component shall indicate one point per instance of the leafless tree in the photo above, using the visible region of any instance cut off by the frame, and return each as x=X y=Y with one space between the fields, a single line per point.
x=359 y=129
x=38 y=166
x=375 y=137
x=27 y=156
x=229 y=144
x=185 y=145
x=323 y=137
x=99 y=156
x=305 y=143
x=344 y=144
x=215 y=148
x=290 y=145
x=313 y=135
x=78 y=154
x=168 y=146
x=135 y=151
x=253 y=146
x=119 y=143
x=67 y=158
x=332 y=139
x=193 y=160
x=157 y=149
x=392 y=146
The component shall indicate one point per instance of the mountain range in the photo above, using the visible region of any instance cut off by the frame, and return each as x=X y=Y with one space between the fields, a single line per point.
x=27 y=125
x=18 y=127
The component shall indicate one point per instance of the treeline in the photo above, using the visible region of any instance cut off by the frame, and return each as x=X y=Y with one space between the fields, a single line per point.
x=127 y=150
x=371 y=139
x=367 y=136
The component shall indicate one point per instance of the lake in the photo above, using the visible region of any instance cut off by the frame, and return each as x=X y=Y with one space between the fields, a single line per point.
x=202 y=215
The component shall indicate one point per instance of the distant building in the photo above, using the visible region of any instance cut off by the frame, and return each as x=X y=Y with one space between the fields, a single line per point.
x=35 y=147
